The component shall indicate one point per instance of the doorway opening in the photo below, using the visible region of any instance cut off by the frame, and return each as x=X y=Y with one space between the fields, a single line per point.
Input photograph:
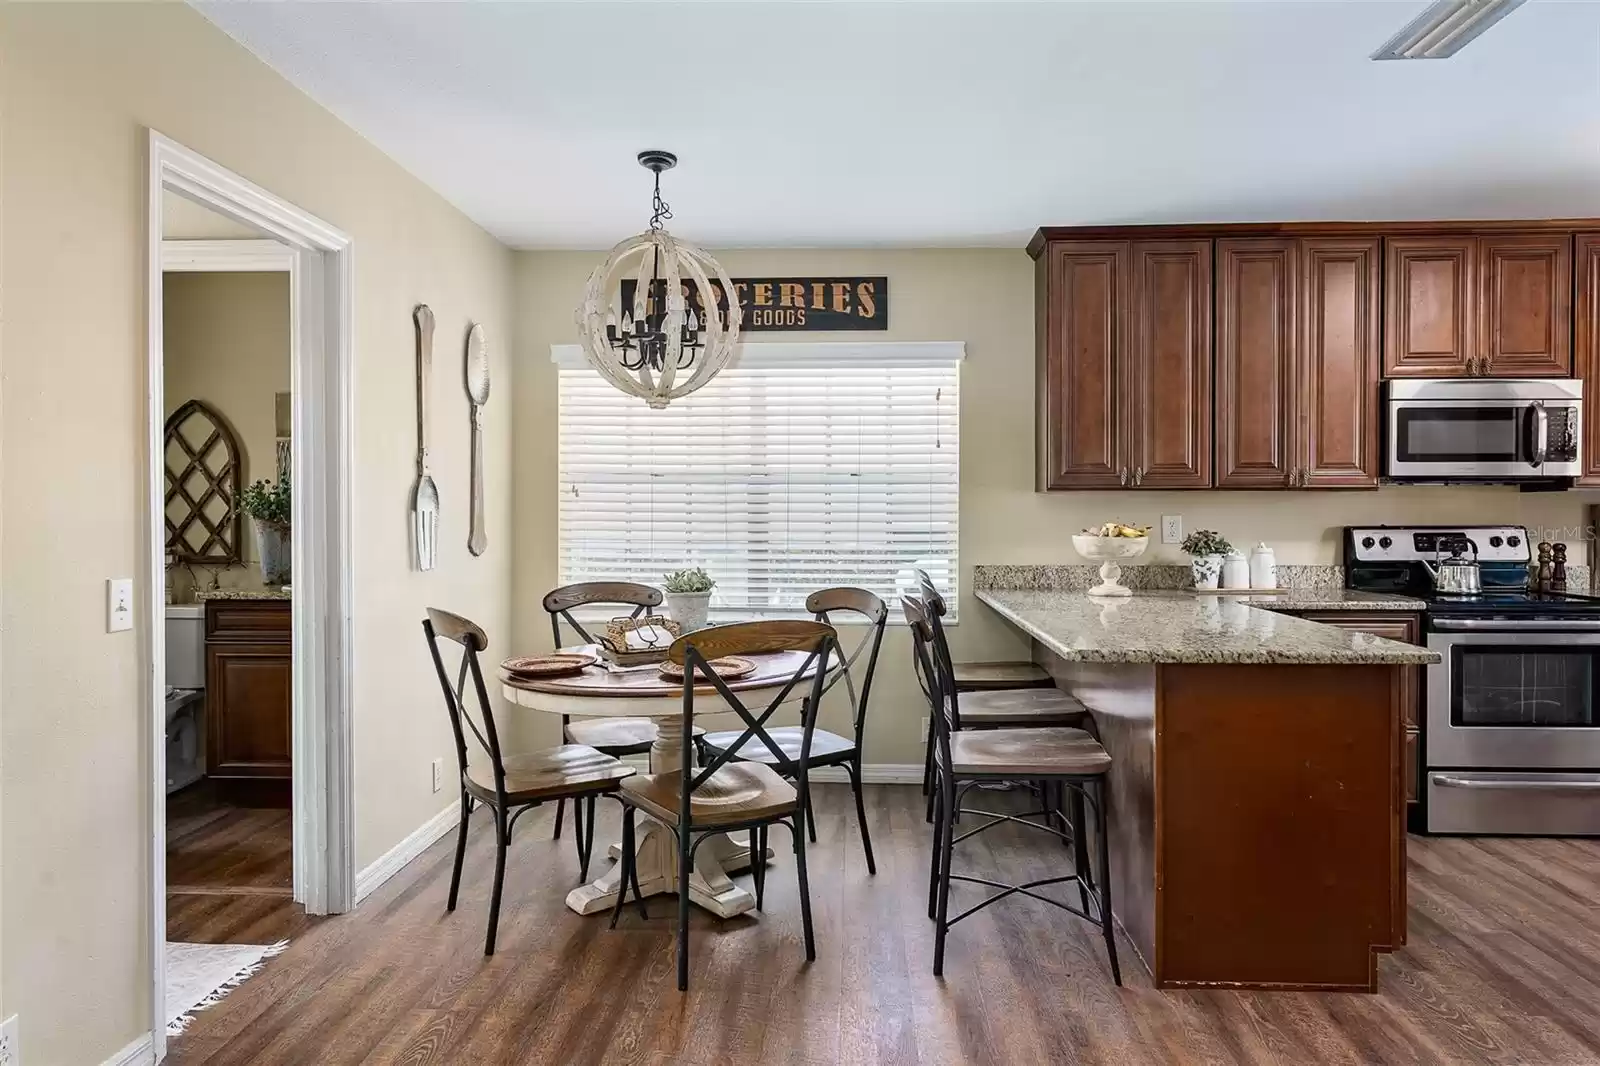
x=247 y=567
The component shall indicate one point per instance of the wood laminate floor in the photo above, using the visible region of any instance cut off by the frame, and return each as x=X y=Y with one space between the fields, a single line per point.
x=230 y=870
x=1503 y=966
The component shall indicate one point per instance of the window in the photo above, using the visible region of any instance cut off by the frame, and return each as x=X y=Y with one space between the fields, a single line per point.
x=799 y=467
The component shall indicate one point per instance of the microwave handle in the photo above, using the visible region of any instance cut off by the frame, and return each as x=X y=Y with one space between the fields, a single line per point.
x=1539 y=422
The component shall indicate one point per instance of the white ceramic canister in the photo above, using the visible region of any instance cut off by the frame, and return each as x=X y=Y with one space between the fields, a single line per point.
x=1235 y=570
x=1263 y=568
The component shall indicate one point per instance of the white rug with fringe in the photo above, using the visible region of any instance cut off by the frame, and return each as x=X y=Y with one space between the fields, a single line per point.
x=199 y=975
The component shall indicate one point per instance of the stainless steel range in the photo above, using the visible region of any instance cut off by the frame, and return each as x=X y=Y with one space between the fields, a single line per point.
x=1511 y=727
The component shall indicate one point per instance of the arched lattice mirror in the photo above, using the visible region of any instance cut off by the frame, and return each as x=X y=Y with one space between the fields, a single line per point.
x=203 y=461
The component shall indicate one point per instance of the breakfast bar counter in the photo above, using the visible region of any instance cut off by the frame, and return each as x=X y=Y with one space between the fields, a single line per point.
x=1256 y=810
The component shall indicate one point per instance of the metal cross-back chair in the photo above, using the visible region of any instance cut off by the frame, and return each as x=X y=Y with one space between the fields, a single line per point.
x=509 y=785
x=1066 y=759
x=994 y=708
x=613 y=736
x=828 y=749
x=728 y=794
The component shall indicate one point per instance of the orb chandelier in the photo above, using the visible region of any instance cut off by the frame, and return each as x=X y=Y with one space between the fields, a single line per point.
x=670 y=336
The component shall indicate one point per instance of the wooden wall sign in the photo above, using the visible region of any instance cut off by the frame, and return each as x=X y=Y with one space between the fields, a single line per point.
x=799 y=304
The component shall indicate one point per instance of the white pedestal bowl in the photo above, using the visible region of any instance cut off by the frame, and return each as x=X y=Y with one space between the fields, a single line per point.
x=1106 y=551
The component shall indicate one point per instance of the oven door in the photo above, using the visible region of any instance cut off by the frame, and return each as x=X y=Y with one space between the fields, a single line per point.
x=1514 y=695
x=1490 y=439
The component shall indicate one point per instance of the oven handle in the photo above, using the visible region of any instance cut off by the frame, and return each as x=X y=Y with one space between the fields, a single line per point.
x=1522 y=784
x=1516 y=625
x=1540 y=446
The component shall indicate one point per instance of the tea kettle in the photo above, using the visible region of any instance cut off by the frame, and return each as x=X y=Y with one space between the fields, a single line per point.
x=1456 y=576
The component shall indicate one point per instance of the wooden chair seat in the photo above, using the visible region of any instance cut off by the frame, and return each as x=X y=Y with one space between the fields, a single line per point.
x=1020 y=707
x=569 y=769
x=616 y=736
x=737 y=792
x=824 y=745
x=1025 y=753
x=978 y=677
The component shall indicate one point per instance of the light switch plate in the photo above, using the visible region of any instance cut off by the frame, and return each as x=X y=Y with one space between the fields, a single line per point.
x=119 y=604
x=1172 y=529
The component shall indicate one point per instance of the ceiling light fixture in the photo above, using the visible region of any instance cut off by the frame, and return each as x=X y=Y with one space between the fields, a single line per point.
x=1445 y=28
x=676 y=320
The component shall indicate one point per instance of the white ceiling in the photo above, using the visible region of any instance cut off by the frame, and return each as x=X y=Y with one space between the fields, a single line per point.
x=852 y=124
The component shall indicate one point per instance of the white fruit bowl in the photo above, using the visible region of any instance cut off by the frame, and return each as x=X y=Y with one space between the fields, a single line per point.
x=1105 y=551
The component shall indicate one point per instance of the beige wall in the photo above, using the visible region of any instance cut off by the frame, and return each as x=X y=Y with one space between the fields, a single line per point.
x=226 y=339
x=985 y=298
x=79 y=84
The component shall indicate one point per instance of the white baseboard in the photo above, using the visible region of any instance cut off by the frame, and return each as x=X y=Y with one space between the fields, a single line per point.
x=394 y=860
x=141 y=1052
x=874 y=773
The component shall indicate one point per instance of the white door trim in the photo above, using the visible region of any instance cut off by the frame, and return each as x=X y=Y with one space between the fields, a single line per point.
x=233 y=255
x=322 y=385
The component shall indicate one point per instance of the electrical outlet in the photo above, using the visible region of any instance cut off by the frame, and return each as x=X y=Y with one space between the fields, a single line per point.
x=438 y=774
x=1172 y=529
x=9 y=1053
x=119 y=604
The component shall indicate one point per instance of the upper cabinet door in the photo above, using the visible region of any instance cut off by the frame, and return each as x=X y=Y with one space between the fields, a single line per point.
x=1525 y=314
x=1083 y=293
x=1170 y=417
x=1256 y=388
x=1338 y=366
x=1586 y=352
x=1429 y=329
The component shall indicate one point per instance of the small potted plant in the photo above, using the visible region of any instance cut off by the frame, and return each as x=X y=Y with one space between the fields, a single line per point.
x=689 y=597
x=1206 y=548
x=268 y=506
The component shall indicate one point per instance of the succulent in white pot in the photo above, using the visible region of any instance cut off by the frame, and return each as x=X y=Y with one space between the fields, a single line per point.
x=689 y=597
x=1206 y=549
x=269 y=508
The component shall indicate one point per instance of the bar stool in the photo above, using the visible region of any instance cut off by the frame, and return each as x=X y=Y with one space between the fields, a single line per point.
x=1065 y=759
x=985 y=676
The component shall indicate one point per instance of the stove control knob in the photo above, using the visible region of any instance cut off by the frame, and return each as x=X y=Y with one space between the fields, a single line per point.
x=1511 y=541
x=1385 y=543
x=1367 y=542
x=1494 y=542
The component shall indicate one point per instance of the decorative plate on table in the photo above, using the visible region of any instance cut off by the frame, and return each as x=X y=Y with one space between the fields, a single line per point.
x=561 y=664
x=729 y=668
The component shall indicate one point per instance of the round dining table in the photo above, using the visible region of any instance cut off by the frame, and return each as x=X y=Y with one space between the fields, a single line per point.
x=642 y=692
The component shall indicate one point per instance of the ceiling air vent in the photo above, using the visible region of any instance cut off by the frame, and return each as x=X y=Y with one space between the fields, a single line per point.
x=1445 y=28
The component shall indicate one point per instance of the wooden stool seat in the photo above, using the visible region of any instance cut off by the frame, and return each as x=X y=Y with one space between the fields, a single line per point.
x=976 y=677
x=1025 y=753
x=737 y=792
x=616 y=736
x=1019 y=707
x=824 y=745
x=565 y=770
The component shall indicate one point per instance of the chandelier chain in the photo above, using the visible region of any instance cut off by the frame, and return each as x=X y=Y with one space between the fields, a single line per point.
x=660 y=209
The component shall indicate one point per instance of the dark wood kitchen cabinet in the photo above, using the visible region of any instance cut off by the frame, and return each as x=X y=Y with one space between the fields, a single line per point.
x=1467 y=305
x=1405 y=627
x=249 y=699
x=1124 y=351
x=1297 y=363
x=1586 y=350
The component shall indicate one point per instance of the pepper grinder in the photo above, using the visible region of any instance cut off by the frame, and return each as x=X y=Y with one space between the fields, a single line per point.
x=1558 y=575
x=1542 y=575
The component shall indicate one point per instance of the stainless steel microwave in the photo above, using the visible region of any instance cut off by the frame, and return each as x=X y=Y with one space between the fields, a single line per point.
x=1483 y=429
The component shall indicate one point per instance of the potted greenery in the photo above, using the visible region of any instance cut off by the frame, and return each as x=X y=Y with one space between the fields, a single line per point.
x=1206 y=547
x=268 y=506
x=689 y=597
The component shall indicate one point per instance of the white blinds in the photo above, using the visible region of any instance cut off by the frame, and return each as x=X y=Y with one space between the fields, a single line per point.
x=799 y=467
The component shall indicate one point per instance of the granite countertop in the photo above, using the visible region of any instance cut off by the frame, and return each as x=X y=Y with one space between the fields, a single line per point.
x=1180 y=627
x=242 y=594
x=1325 y=599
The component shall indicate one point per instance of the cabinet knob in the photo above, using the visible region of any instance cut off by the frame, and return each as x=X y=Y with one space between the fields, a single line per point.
x=1122 y=478
x=1138 y=475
